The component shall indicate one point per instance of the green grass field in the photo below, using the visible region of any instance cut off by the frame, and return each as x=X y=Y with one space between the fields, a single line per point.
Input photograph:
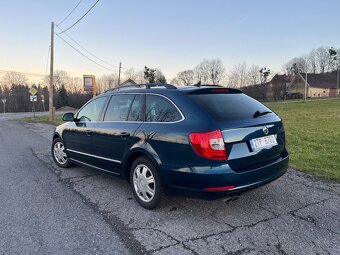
x=313 y=135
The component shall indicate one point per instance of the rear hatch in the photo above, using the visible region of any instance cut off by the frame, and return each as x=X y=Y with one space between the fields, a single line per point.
x=252 y=133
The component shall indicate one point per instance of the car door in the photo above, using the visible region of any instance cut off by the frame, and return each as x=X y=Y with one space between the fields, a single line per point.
x=78 y=135
x=114 y=136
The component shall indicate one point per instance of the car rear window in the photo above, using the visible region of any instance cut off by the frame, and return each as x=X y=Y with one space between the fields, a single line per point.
x=229 y=106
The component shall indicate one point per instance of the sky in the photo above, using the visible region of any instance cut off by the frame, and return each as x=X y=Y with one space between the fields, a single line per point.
x=170 y=35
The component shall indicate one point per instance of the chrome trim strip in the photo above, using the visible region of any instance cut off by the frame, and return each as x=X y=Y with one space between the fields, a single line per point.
x=239 y=134
x=245 y=186
x=90 y=155
x=101 y=169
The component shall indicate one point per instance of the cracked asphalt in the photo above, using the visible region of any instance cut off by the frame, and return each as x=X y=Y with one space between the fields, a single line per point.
x=296 y=214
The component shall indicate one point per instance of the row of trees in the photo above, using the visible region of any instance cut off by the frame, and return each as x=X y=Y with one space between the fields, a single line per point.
x=15 y=90
x=318 y=60
x=207 y=72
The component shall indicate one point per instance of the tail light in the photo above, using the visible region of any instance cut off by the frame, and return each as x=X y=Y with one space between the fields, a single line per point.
x=209 y=145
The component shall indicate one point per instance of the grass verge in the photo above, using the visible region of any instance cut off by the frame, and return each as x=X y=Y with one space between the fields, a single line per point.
x=44 y=119
x=313 y=135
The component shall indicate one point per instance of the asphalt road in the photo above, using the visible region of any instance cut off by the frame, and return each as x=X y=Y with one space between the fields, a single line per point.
x=45 y=209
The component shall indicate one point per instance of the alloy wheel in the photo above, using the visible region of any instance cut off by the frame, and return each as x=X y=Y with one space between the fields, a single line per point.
x=144 y=183
x=59 y=153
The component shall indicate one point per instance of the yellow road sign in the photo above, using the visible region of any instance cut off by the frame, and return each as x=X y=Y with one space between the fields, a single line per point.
x=33 y=91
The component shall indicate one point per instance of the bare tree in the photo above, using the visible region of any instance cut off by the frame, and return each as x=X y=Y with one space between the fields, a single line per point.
x=107 y=81
x=237 y=75
x=201 y=72
x=312 y=61
x=297 y=65
x=76 y=85
x=209 y=71
x=175 y=81
x=140 y=77
x=14 y=78
x=253 y=75
x=159 y=76
x=217 y=71
x=241 y=75
x=186 y=77
x=130 y=74
x=60 y=78
x=322 y=59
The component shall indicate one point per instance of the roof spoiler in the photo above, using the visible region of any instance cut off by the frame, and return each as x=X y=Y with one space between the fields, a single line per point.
x=215 y=90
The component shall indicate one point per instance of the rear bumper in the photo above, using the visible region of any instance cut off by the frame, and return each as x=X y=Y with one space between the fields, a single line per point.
x=191 y=184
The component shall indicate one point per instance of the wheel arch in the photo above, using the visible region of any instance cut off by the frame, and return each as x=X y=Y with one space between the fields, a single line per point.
x=133 y=155
x=55 y=136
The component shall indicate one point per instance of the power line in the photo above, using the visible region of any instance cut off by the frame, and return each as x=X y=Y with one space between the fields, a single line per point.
x=25 y=73
x=70 y=12
x=85 y=55
x=43 y=75
x=79 y=19
x=86 y=49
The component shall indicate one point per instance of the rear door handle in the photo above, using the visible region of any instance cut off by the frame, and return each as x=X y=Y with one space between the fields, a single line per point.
x=124 y=134
x=88 y=132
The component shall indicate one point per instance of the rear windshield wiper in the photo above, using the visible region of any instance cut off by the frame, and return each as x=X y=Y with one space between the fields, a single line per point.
x=258 y=113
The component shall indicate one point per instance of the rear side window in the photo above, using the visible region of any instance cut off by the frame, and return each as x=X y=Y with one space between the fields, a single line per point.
x=135 y=110
x=118 y=108
x=229 y=106
x=160 y=109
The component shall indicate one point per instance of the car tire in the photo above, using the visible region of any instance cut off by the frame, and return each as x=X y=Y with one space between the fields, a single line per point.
x=145 y=183
x=59 y=154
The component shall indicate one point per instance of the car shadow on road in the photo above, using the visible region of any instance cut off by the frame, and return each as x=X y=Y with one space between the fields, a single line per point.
x=286 y=212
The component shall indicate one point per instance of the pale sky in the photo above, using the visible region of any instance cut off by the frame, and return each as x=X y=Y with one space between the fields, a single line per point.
x=170 y=35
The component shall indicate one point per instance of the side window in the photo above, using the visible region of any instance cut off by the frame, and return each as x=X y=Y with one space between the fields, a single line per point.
x=160 y=109
x=118 y=108
x=92 y=111
x=135 y=111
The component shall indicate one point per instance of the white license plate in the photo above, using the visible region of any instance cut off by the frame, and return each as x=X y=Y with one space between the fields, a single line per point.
x=263 y=142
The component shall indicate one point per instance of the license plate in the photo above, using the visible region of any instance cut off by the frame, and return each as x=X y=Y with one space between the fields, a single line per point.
x=263 y=142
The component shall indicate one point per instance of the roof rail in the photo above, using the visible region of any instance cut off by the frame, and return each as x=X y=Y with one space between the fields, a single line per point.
x=146 y=85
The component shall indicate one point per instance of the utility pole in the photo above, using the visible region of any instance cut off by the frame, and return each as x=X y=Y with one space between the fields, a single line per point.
x=120 y=67
x=337 y=84
x=4 y=102
x=94 y=87
x=50 y=94
x=305 y=94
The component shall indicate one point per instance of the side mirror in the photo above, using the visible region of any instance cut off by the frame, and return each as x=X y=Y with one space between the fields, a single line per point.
x=68 y=116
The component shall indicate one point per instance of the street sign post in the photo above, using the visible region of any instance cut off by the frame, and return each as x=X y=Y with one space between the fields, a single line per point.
x=4 y=102
x=43 y=102
x=33 y=97
x=90 y=84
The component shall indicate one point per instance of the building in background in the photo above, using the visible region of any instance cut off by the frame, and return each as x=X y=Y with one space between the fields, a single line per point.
x=318 y=85
x=279 y=84
x=128 y=82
